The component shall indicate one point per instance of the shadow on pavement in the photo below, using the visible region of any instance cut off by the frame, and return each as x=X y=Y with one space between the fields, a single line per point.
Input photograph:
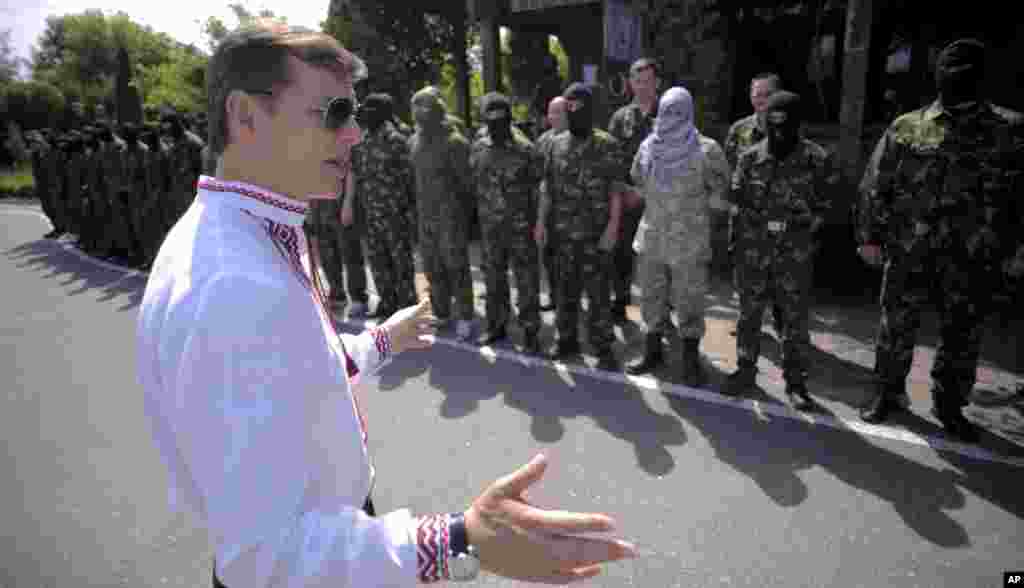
x=771 y=454
x=550 y=397
x=76 y=275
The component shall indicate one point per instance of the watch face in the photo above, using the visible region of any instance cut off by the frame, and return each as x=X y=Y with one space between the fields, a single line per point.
x=464 y=567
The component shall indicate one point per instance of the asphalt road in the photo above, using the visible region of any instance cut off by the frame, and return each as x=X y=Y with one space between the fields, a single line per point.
x=715 y=492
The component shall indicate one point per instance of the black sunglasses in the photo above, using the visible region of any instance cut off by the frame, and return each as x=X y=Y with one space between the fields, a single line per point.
x=336 y=113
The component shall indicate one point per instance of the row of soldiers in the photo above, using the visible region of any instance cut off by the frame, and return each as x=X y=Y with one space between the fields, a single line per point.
x=119 y=189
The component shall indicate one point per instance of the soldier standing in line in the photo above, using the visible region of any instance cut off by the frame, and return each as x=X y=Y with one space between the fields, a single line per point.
x=117 y=230
x=340 y=251
x=557 y=121
x=506 y=171
x=74 y=170
x=682 y=176
x=157 y=218
x=781 y=190
x=39 y=152
x=742 y=135
x=581 y=189
x=440 y=159
x=941 y=204
x=95 y=202
x=185 y=162
x=384 y=190
x=53 y=169
x=631 y=124
x=133 y=192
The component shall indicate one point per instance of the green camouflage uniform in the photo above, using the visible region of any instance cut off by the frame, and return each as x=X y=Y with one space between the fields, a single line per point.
x=74 y=165
x=630 y=125
x=133 y=196
x=119 y=231
x=942 y=196
x=185 y=164
x=440 y=159
x=742 y=135
x=779 y=204
x=505 y=180
x=341 y=253
x=578 y=179
x=43 y=181
x=95 y=232
x=674 y=242
x=384 y=185
x=156 y=219
x=542 y=145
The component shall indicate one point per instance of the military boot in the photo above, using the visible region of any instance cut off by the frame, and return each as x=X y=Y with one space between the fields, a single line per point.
x=531 y=344
x=494 y=334
x=654 y=356
x=693 y=371
x=877 y=410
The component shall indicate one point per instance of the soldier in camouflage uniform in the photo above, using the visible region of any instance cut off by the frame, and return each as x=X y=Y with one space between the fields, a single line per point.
x=42 y=176
x=95 y=203
x=506 y=171
x=385 y=191
x=781 y=190
x=156 y=218
x=440 y=159
x=631 y=124
x=683 y=176
x=557 y=122
x=941 y=204
x=742 y=135
x=74 y=169
x=340 y=250
x=184 y=154
x=117 y=235
x=133 y=192
x=581 y=189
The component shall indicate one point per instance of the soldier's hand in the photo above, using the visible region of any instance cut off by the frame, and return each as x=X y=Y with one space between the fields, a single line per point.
x=347 y=216
x=871 y=254
x=608 y=239
x=540 y=234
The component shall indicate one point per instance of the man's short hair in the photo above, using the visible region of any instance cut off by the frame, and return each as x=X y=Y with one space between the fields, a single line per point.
x=642 y=64
x=770 y=77
x=255 y=58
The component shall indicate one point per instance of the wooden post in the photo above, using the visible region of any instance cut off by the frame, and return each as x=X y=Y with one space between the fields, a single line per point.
x=854 y=91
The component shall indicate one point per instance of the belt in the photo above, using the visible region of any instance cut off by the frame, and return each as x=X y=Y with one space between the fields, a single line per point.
x=367 y=508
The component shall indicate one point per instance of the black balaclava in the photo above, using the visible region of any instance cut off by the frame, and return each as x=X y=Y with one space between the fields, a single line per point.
x=581 y=122
x=104 y=132
x=960 y=71
x=497 y=114
x=171 y=125
x=783 y=117
x=91 y=139
x=130 y=131
x=377 y=109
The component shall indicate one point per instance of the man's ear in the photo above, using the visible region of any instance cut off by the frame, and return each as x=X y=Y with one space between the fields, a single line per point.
x=240 y=120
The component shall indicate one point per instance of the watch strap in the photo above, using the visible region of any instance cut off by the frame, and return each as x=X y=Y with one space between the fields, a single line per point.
x=458 y=541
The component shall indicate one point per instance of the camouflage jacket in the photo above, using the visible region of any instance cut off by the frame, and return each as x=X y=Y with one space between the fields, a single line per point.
x=630 y=125
x=543 y=142
x=440 y=161
x=505 y=179
x=742 y=135
x=579 y=175
x=952 y=185
x=185 y=162
x=795 y=192
x=135 y=171
x=676 y=225
x=384 y=179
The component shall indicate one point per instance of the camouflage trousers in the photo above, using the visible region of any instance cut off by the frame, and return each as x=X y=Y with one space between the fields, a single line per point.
x=583 y=267
x=501 y=249
x=446 y=262
x=625 y=258
x=784 y=282
x=963 y=302
x=341 y=257
x=683 y=284
x=390 y=253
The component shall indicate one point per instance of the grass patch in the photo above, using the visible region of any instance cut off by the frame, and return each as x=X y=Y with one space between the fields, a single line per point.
x=16 y=179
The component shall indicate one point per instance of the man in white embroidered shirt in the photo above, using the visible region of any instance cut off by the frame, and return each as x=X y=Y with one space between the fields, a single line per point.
x=248 y=388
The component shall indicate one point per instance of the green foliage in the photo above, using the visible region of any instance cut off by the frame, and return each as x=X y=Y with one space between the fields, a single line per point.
x=32 y=105
x=555 y=47
x=78 y=53
x=9 y=62
x=216 y=29
x=16 y=180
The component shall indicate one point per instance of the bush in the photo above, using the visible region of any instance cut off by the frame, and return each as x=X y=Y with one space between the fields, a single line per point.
x=32 y=105
x=13 y=150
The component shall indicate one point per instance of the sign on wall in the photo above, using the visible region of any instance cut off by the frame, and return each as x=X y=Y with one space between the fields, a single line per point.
x=526 y=5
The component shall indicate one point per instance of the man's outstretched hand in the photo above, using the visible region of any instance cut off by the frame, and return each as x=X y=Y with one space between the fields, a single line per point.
x=407 y=327
x=517 y=540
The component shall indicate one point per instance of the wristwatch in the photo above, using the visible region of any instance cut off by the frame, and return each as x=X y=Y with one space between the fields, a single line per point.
x=463 y=563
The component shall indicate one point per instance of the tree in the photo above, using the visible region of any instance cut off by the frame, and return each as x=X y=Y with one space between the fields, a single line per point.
x=9 y=62
x=215 y=29
x=32 y=105
x=129 y=103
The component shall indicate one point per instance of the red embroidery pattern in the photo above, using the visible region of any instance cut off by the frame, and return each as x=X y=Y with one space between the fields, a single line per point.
x=264 y=196
x=432 y=540
x=382 y=341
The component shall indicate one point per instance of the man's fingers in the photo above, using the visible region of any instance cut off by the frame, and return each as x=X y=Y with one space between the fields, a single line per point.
x=562 y=577
x=515 y=483
x=577 y=552
x=555 y=522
